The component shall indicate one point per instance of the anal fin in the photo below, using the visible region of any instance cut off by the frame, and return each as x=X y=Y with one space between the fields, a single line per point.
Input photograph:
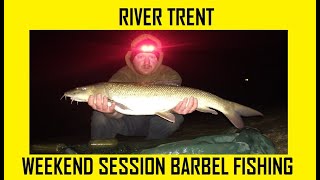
x=167 y=116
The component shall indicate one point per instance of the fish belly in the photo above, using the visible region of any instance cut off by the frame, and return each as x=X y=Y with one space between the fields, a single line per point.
x=143 y=106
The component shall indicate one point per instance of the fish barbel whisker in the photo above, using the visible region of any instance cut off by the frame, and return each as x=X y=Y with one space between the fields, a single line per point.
x=63 y=96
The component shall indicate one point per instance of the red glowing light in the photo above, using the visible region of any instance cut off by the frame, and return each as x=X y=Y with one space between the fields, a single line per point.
x=147 y=48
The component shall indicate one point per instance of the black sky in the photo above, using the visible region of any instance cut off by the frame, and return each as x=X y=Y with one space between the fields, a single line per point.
x=215 y=61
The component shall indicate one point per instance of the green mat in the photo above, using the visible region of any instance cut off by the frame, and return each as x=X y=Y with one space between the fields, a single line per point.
x=246 y=141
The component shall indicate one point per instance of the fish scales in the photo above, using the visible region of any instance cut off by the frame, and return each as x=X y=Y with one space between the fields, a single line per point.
x=135 y=99
x=157 y=92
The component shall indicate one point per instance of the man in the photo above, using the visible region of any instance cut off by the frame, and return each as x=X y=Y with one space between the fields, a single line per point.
x=144 y=65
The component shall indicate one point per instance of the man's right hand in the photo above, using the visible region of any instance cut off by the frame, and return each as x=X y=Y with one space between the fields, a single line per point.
x=99 y=103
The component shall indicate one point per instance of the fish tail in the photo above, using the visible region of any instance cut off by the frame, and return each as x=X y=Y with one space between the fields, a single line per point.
x=246 y=111
x=234 y=113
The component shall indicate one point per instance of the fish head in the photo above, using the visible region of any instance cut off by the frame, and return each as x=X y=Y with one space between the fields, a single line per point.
x=80 y=94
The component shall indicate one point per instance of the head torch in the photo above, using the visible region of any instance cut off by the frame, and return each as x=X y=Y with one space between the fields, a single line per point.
x=146 y=46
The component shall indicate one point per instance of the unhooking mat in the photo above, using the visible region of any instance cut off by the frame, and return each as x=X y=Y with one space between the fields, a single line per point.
x=247 y=141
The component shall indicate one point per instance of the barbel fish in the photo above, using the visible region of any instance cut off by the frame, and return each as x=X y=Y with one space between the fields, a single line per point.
x=154 y=99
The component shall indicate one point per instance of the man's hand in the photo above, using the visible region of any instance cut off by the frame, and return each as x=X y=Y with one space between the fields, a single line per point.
x=101 y=104
x=186 y=106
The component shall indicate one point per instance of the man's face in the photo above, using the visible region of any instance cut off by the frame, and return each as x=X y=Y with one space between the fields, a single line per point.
x=145 y=63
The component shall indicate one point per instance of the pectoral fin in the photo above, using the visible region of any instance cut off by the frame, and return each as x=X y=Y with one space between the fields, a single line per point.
x=207 y=110
x=167 y=116
x=121 y=106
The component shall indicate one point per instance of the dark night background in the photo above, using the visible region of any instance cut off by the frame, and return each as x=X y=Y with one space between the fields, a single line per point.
x=214 y=61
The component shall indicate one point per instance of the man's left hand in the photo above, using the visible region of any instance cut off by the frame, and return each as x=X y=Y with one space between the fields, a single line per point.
x=188 y=105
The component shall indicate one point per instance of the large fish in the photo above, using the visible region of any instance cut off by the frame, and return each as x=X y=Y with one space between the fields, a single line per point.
x=135 y=99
